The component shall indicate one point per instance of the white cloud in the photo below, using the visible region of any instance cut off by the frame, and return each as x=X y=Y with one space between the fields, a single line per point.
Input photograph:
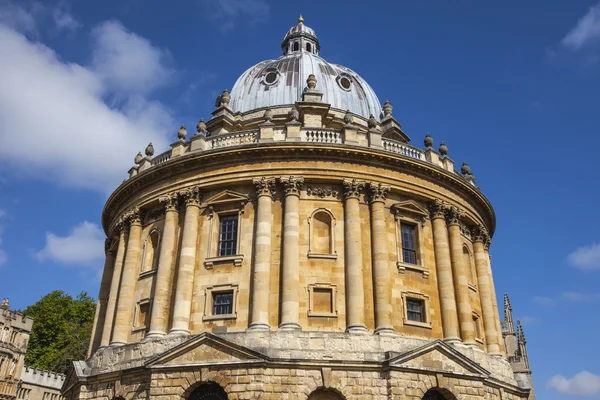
x=586 y=258
x=544 y=301
x=583 y=384
x=84 y=245
x=80 y=125
x=581 y=297
x=586 y=31
x=17 y=17
x=529 y=320
x=64 y=20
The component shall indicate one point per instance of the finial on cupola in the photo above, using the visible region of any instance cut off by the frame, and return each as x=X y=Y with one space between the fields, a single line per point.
x=428 y=141
x=138 y=158
x=225 y=98
x=311 y=82
x=293 y=115
x=348 y=118
x=201 y=126
x=149 y=150
x=372 y=122
x=268 y=115
x=387 y=109
x=182 y=133
x=465 y=169
x=443 y=149
x=300 y=19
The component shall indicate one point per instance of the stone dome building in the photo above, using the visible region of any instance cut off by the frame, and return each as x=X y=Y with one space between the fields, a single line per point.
x=296 y=246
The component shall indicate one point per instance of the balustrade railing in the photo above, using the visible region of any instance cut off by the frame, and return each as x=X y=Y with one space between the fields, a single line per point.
x=402 y=148
x=232 y=139
x=161 y=158
x=322 y=136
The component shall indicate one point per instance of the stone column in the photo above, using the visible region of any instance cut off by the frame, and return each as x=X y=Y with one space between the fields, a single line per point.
x=114 y=287
x=123 y=318
x=486 y=248
x=355 y=289
x=100 y=317
x=187 y=262
x=444 y=272
x=460 y=272
x=484 y=280
x=290 y=276
x=159 y=318
x=381 y=267
x=261 y=275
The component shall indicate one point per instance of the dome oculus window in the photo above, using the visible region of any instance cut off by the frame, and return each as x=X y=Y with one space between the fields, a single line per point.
x=345 y=82
x=271 y=78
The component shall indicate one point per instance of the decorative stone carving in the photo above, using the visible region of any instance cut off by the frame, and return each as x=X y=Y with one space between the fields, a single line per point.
x=171 y=201
x=268 y=115
x=443 y=149
x=348 y=118
x=372 y=122
x=454 y=215
x=138 y=158
x=264 y=186
x=378 y=192
x=311 y=82
x=438 y=209
x=292 y=185
x=465 y=230
x=428 y=141
x=293 y=115
x=130 y=217
x=149 y=150
x=182 y=133
x=352 y=188
x=387 y=109
x=192 y=196
x=108 y=244
x=225 y=98
x=201 y=127
x=320 y=192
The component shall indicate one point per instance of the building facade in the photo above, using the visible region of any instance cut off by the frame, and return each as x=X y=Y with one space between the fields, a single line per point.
x=296 y=246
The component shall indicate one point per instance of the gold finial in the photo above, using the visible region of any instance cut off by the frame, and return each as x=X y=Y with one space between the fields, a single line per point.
x=300 y=20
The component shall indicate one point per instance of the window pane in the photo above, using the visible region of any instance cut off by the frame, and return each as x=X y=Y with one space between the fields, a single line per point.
x=409 y=243
x=228 y=235
x=415 y=310
x=223 y=303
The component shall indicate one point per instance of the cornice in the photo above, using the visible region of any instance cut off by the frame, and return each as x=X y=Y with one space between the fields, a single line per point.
x=122 y=197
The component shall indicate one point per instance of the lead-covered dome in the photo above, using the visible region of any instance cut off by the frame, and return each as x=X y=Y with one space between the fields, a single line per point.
x=282 y=81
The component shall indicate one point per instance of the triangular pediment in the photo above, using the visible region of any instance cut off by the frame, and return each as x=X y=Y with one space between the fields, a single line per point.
x=437 y=356
x=410 y=207
x=205 y=348
x=227 y=196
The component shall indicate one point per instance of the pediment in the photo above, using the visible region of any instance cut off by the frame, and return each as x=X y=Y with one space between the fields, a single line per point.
x=205 y=348
x=410 y=207
x=437 y=356
x=227 y=196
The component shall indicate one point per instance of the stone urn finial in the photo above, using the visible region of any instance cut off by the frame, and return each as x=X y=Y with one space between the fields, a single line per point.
x=138 y=158
x=293 y=115
x=225 y=98
x=149 y=150
x=428 y=141
x=182 y=133
x=443 y=149
x=465 y=169
x=348 y=118
x=372 y=122
x=201 y=126
x=311 y=82
x=268 y=115
x=387 y=109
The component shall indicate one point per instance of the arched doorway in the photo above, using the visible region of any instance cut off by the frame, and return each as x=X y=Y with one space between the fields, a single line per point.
x=208 y=391
x=326 y=394
x=438 y=394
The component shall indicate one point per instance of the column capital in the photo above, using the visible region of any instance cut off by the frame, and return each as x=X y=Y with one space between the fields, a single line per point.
x=292 y=185
x=438 y=209
x=479 y=234
x=191 y=196
x=109 y=245
x=265 y=186
x=378 y=192
x=454 y=215
x=352 y=188
x=171 y=202
x=129 y=218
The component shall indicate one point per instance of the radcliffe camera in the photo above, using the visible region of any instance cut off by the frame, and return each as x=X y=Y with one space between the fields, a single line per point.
x=183 y=219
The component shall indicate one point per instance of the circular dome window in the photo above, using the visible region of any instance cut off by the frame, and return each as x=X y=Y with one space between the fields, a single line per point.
x=344 y=82
x=271 y=78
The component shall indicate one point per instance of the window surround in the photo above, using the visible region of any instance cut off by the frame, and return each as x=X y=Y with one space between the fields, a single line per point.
x=478 y=328
x=136 y=327
x=223 y=204
x=471 y=266
x=154 y=266
x=208 y=302
x=311 y=254
x=410 y=212
x=333 y=288
x=425 y=300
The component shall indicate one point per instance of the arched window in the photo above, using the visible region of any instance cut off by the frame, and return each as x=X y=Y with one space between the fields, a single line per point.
x=208 y=391
x=469 y=264
x=438 y=394
x=322 y=233
x=326 y=394
x=308 y=47
x=296 y=46
x=150 y=254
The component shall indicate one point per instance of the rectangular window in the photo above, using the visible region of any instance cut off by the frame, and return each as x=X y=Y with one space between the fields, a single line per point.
x=143 y=315
x=477 y=327
x=409 y=243
x=222 y=303
x=322 y=300
x=415 y=310
x=228 y=229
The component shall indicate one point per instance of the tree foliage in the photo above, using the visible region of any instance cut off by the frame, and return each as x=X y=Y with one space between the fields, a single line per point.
x=62 y=327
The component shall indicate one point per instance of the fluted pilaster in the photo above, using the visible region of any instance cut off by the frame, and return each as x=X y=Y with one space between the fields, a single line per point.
x=261 y=274
x=380 y=255
x=187 y=262
x=124 y=314
x=444 y=272
x=159 y=318
x=355 y=290
x=291 y=253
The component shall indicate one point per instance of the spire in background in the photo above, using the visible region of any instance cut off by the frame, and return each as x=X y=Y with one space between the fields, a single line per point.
x=508 y=317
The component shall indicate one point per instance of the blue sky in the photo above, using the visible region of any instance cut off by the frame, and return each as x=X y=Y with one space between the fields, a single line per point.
x=511 y=87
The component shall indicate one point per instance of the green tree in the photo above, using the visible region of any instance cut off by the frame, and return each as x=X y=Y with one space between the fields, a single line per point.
x=61 y=332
